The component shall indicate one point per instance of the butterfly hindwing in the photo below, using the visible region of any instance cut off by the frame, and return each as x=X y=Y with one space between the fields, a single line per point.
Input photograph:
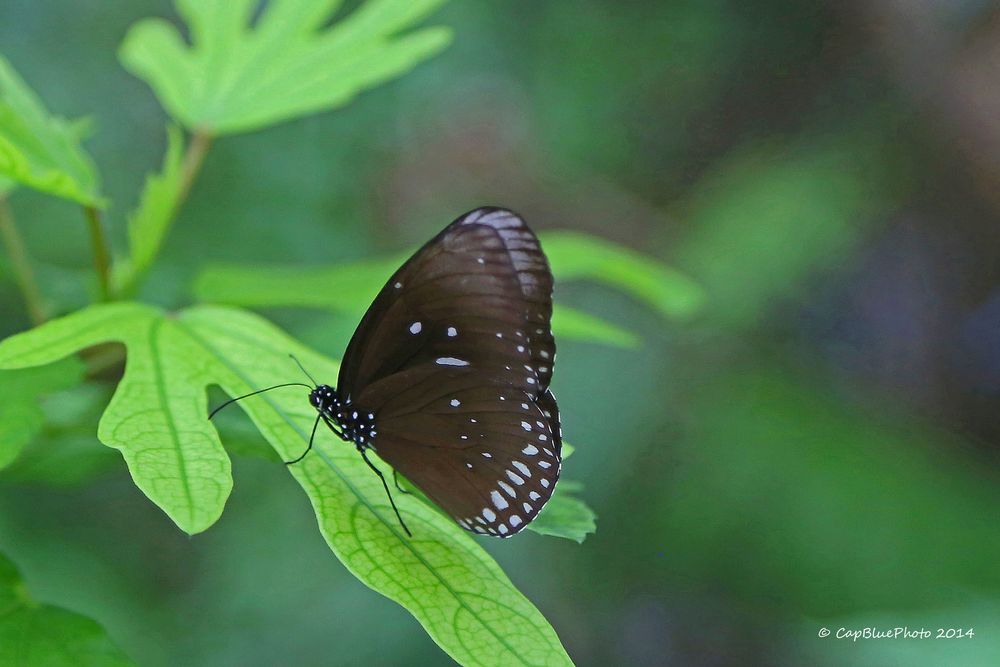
x=485 y=452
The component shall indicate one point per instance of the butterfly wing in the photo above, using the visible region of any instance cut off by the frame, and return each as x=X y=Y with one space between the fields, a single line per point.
x=480 y=291
x=454 y=357
x=487 y=453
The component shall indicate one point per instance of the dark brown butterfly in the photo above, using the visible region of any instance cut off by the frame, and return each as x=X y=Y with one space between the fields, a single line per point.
x=447 y=376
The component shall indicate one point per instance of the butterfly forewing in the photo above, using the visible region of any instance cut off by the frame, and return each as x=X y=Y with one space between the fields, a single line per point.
x=454 y=357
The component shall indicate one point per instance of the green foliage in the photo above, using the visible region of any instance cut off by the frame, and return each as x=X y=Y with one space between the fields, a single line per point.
x=148 y=224
x=576 y=256
x=39 y=150
x=565 y=515
x=761 y=202
x=21 y=416
x=158 y=419
x=235 y=79
x=871 y=516
x=572 y=324
x=38 y=634
x=351 y=286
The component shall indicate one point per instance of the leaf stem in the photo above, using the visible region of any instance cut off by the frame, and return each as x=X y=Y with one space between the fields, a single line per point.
x=21 y=265
x=102 y=256
x=194 y=156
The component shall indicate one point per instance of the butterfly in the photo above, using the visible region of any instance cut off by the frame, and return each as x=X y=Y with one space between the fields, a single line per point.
x=447 y=376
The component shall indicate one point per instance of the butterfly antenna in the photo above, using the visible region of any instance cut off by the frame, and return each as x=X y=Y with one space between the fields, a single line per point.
x=378 y=472
x=254 y=393
x=295 y=359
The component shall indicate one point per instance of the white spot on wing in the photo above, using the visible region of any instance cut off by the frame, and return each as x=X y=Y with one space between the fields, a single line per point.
x=523 y=468
x=415 y=328
x=489 y=514
x=526 y=426
x=499 y=501
x=544 y=482
x=530 y=450
x=517 y=479
x=502 y=528
x=450 y=361
x=455 y=402
x=534 y=495
x=515 y=520
x=452 y=332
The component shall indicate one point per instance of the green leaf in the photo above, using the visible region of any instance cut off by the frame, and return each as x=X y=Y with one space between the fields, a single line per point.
x=569 y=323
x=39 y=150
x=565 y=515
x=576 y=256
x=37 y=634
x=21 y=417
x=234 y=78
x=348 y=287
x=157 y=415
x=158 y=419
x=148 y=224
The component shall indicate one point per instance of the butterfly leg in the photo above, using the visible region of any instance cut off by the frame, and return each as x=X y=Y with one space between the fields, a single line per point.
x=378 y=472
x=395 y=480
x=312 y=436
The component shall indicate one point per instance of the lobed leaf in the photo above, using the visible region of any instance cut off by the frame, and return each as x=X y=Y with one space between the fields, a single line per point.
x=158 y=419
x=157 y=415
x=40 y=634
x=236 y=78
x=39 y=150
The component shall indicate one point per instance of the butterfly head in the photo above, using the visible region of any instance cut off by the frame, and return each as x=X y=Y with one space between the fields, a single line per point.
x=324 y=398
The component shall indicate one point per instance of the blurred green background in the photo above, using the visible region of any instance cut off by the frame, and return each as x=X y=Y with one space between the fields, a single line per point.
x=817 y=447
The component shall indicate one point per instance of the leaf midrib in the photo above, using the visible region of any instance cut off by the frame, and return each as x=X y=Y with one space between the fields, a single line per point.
x=161 y=393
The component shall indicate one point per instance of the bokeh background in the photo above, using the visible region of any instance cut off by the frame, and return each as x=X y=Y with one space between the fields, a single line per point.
x=816 y=447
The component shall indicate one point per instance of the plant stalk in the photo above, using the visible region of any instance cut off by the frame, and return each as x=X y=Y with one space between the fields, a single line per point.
x=102 y=256
x=24 y=275
x=194 y=156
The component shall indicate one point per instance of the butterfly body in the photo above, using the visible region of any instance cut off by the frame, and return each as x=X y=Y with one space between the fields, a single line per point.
x=447 y=375
x=353 y=425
